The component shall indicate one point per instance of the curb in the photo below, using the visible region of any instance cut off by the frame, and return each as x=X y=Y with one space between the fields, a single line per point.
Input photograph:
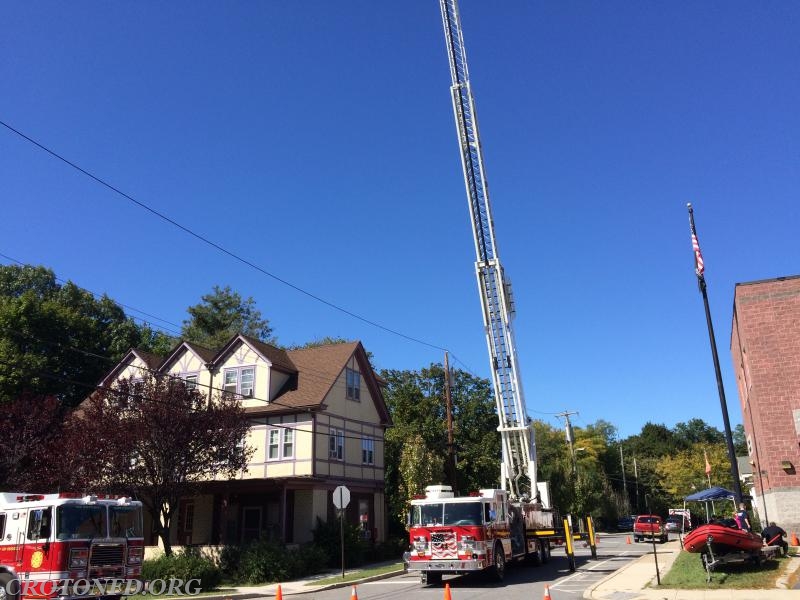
x=589 y=592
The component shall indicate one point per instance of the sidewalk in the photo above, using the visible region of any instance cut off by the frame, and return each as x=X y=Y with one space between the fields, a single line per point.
x=631 y=581
x=299 y=586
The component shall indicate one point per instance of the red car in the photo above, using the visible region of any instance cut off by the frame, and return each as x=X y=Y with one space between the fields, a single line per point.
x=649 y=527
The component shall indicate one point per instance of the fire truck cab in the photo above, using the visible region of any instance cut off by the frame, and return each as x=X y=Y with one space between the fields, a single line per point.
x=68 y=545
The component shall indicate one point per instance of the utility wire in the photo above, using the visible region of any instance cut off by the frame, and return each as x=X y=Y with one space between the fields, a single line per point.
x=215 y=245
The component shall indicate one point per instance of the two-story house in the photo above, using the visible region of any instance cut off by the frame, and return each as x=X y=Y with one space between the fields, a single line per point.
x=318 y=420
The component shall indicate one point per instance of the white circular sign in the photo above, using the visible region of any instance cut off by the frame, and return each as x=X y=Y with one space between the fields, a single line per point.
x=341 y=497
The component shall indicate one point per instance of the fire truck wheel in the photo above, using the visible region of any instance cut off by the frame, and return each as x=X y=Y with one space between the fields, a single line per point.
x=545 y=552
x=499 y=567
x=427 y=578
x=5 y=592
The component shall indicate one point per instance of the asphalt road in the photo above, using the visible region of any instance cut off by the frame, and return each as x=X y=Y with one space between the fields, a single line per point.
x=522 y=582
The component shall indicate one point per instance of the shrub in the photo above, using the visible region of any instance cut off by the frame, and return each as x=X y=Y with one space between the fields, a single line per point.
x=265 y=562
x=185 y=565
x=328 y=537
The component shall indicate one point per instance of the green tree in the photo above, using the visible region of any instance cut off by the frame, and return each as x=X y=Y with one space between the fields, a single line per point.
x=418 y=468
x=416 y=403
x=684 y=473
x=696 y=431
x=739 y=440
x=59 y=339
x=222 y=314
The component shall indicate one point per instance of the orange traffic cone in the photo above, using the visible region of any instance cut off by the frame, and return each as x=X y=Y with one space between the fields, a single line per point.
x=447 y=592
x=547 y=593
x=354 y=594
x=279 y=593
x=795 y=541
x=628 y=540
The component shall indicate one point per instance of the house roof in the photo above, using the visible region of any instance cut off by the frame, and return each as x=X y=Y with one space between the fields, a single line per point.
x=279 y=358
x=206 y=354
x=318 y=369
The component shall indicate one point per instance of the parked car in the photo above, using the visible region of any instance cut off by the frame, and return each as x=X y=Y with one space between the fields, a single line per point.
x=626 y=523
x=649 y=527
x=676 y=523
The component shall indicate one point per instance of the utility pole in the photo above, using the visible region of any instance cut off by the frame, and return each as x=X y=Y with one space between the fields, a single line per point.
x=451 y=452
x=636 y=476
x=624 y=483
x=570 y=437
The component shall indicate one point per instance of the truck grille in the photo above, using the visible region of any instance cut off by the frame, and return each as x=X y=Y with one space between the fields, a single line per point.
x=107 y=555
x=443 y=545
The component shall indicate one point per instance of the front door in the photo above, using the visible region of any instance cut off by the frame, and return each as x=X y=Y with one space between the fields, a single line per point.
x=251 y=523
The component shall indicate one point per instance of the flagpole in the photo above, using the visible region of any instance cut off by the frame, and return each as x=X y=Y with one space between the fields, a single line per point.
x=701 y=282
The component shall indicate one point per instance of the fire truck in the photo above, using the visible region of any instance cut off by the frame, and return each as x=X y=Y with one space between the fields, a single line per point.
x=451 y=534
x=69 y=545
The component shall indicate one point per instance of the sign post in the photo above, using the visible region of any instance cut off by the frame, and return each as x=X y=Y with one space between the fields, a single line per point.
x=341 y=498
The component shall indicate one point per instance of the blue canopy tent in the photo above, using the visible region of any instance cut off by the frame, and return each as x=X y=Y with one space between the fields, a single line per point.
x=709 y=495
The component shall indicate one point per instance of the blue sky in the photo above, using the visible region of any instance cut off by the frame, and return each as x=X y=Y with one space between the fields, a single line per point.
x=316 y=139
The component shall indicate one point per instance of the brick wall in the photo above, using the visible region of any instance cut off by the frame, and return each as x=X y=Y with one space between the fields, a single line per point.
x=765 y=347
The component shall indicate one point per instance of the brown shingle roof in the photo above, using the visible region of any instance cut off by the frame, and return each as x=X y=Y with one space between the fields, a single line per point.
x=207 y=354
x=318 y=368
x=279 y=358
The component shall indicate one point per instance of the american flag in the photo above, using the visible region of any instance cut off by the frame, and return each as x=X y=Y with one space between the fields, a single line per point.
x=699 y=265
x=443 y=545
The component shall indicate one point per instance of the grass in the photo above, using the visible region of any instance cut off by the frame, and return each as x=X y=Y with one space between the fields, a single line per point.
x=688 y=573
x=359 y=574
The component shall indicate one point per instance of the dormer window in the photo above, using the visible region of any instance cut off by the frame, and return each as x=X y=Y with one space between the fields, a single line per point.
x=191 y=382
x=353 y=384
x=239 y=381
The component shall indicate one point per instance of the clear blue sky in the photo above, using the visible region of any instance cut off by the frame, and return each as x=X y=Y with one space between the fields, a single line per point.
x=317 y=140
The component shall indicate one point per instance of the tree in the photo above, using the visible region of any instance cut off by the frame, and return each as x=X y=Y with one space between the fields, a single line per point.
x=684 y=472
x=418 y=468
x=222 y=314
x=415 y=400
x=740 y=440
x=696 y=431
x=31 y=427
x=59 y=339
x=156 y=440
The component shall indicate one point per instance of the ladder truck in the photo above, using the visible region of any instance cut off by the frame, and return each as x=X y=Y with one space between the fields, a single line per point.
x=491 y=527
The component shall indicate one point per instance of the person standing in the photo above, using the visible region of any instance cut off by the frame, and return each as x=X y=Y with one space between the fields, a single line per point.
x=742 y=519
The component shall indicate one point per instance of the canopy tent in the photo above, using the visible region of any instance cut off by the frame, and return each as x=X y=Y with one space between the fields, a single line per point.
x=709 y=495
x=714 y=493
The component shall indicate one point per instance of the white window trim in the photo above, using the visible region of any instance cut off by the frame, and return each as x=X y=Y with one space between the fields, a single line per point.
x=368 y=451
x=336 y=444
x=281 y=443
x=186 y=376
x=238 y=371
x=276 y=445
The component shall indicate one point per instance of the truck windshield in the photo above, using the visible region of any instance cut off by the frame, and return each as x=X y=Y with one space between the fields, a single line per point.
x=463 y=513
x=126 y=521
x=455 y=513
x=427 y=514
x=76 y=521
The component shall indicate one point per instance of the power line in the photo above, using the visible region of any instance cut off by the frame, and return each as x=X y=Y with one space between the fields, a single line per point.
x=215 y=245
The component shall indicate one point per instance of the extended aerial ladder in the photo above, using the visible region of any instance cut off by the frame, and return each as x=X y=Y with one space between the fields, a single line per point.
x=518 y=466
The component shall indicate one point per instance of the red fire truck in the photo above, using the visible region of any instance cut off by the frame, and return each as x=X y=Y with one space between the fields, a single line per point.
x=480 y=532
x=69 y=545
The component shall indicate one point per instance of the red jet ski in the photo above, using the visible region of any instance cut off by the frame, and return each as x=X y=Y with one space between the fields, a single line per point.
x=722 y=538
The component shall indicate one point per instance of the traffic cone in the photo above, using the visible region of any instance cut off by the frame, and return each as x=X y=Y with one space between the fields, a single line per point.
x=354 y=594
x=795 y=541
x=628 y=540
x=447 y=592
x=279 y=593
x=547 y=593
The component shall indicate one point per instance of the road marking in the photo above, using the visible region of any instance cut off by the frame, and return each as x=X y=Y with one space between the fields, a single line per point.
x=586 y=571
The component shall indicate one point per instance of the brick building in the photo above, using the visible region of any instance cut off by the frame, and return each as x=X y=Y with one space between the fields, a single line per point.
x=765 y=345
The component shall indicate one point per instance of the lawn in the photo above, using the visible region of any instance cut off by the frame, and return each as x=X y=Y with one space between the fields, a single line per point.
x=360 y=574
x=688 y=573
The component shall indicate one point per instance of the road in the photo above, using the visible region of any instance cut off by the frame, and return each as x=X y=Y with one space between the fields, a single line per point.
x=522 y=582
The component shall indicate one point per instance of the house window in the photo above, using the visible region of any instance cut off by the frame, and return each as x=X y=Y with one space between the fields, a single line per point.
x=336 y=444
x=239 y=381
x=273 y=448
x=191 y=382
x=367 y=451
x=288 y=443
x=280 y=444
x=353 y=384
